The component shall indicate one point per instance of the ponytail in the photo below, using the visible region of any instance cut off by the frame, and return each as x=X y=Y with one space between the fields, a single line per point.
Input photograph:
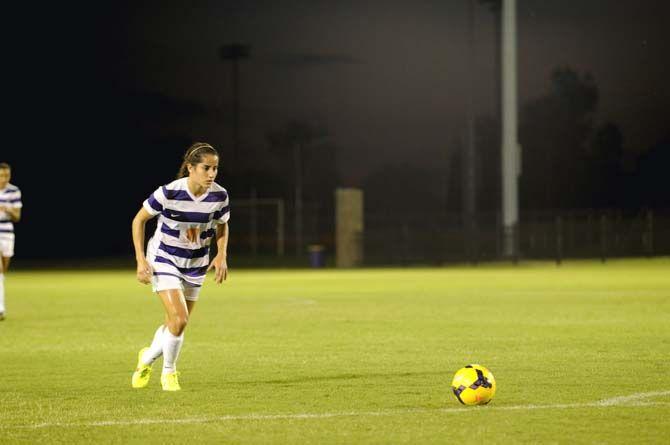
x=183 y=170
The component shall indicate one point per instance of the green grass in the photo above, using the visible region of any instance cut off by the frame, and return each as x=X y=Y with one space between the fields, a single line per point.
x=366 y=355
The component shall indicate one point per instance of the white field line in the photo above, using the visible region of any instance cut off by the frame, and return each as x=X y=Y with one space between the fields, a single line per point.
x=633 y=400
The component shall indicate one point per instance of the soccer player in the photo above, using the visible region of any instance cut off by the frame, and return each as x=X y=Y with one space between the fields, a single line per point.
x=10 y=212
x=194 y=210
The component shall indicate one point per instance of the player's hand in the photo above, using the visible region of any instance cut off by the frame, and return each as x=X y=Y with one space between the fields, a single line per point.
x=144 y=272
x=220 y=265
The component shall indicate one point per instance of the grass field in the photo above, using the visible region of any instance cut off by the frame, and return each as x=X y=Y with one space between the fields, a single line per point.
x=581 y=354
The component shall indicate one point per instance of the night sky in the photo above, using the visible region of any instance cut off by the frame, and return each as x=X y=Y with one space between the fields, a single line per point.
x=102 y=99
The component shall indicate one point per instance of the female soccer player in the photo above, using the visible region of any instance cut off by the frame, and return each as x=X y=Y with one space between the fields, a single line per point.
x=10 y=212
x=193 y=211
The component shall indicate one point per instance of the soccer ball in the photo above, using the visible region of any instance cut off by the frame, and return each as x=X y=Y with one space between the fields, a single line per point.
x=474 y=385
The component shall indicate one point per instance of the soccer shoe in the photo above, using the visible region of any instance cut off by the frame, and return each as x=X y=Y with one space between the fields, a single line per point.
x=2 y=316
x=142 y=373
x=170 y=381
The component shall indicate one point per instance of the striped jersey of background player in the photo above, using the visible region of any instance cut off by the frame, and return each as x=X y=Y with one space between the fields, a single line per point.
x=193 y=211
x=10 y=213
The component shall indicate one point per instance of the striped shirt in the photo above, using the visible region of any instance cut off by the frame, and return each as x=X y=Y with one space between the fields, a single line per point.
x=10 y=196
x=186 y=226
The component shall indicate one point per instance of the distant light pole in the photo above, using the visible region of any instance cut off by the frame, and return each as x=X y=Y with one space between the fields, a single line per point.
x=235 y=52
x=470 y=151
x=511 y=151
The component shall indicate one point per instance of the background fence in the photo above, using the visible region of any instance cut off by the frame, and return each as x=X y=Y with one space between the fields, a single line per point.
x=430 y=238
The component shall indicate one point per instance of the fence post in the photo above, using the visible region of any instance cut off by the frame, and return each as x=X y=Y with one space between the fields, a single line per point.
x=559 y=240
x=603 y=238
x=572 y=222
x=545 y=236
x=253 y=239
x=474 y=251
x=517 y=242
x=405 y=244
x=649 y=245
x=280 y=227
x=589 y=231
x=618 y=225
x=532 y=228
x=471 y=231
x=498 y=235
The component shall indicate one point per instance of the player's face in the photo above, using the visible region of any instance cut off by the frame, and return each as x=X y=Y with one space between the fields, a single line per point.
x=205 y=172
x=5 y=176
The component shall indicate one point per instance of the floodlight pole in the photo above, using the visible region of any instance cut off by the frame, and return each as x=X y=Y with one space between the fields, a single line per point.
x=511 y=151
x=470 y=152
x=235 y=52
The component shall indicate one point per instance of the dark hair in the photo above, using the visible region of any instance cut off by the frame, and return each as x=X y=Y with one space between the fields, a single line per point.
x=4 y=165
x=194 y=156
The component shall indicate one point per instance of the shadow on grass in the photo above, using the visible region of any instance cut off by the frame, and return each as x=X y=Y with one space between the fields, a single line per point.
x=348 y=376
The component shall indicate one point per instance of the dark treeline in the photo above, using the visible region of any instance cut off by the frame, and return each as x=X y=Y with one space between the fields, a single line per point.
x=570 y=160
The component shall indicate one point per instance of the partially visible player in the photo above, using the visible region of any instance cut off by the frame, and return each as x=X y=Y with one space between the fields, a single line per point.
x=194 y=210
x=10 y=212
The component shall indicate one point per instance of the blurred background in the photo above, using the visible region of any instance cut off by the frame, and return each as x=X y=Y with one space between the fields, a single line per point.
x=398 y=99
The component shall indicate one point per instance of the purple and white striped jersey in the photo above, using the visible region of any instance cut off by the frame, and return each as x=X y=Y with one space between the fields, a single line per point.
x=10 y=196
x=185 y=229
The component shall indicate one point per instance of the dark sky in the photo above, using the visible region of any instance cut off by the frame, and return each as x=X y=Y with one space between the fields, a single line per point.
x=386 y=75
x=87 y=85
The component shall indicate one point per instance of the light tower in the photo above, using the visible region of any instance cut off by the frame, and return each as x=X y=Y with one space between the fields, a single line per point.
x=511 y=151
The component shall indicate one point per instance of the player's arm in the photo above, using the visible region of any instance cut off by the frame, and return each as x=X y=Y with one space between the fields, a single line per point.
x=220 y=262
x=14 y=213
x=144 y=271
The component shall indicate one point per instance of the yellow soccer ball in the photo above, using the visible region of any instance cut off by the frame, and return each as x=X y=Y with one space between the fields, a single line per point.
x=474 y=385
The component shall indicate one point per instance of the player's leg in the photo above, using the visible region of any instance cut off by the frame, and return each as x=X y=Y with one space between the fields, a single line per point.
x=2 y=290
x=191 y=295
x=189 y=305
x=176 y=311
x=6 y=252
x=155 y=350
x=146 y=358
x=149 y=354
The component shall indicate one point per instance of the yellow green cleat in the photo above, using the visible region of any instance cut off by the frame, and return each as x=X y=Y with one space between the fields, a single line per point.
x=142 y=373
x=170 y=381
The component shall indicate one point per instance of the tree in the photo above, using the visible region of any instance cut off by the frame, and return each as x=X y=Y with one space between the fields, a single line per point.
x=606 y=175
x=651 y=175
x=554 y=133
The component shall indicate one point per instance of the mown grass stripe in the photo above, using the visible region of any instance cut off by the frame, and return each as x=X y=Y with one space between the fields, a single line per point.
x=633 y=400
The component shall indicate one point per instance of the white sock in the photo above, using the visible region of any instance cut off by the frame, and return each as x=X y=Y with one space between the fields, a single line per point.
x=171 y=347
x=156 y=348
x=2 y=292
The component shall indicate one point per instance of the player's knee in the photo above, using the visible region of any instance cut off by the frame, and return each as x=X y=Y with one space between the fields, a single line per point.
x=178 y=323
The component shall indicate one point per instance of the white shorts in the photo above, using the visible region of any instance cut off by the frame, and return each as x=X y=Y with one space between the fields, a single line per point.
x=165 y=282
x=7 y=247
